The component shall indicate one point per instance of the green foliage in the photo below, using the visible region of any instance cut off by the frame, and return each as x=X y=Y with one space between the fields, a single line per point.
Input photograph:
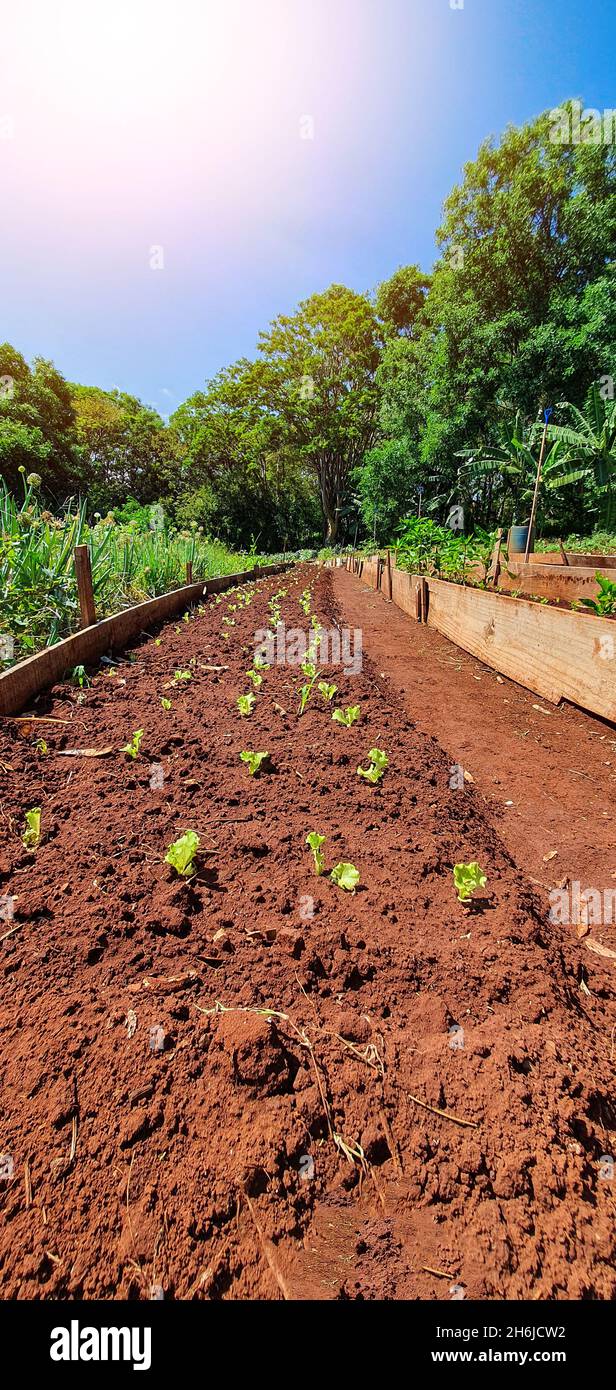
x=181 y=853
x=315 y=843
x=468 y=877
x=80 y=677
x=379 y=762
x=32 y=832
x=182 y=676
x=254 y=760
x=327 y=691
x=165 y=703
x=348 y=716
x=132 y=748
x=346 y=876
x=605 y=603
x=245 y=704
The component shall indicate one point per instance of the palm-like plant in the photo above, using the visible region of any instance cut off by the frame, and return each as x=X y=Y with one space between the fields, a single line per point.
x=590 y=447
x=510 y=466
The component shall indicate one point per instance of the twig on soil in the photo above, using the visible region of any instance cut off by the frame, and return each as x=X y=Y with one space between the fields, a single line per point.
x=268 y=1248
x=13 y=929
x=444 y=1114
x=439 y=1273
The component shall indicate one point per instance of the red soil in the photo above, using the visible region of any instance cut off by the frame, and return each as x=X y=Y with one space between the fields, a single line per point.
x=214 y=1168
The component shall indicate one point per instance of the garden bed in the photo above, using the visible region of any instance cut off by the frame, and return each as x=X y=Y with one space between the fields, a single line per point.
x=554 y=652
x=372 y=1094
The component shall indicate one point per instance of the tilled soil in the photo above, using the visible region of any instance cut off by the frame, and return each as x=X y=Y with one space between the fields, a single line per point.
x=233 y=1086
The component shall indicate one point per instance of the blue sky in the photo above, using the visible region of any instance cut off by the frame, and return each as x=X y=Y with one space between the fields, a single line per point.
x=132 y=124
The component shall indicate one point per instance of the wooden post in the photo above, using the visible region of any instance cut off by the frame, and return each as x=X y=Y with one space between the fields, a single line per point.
x=425 y=600
x=189 y=572
x=563 y=553
x=536 y=492
x=418 y=600
x=83 y=571
x=495 y=565
x=390 y=586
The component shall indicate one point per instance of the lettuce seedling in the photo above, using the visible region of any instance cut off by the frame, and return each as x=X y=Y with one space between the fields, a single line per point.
x=468 y=877
x=182 y=676
x=315 y=841
x=32 y=832
x=378 y=763
x=181 y=853
x=81 y=678
x=260 y=664
x=245 y=703
x=346 y=876
x=254 y=760
x=347 y=716
x=327 y=691
x=166 y=704
x=256 y=679
x=308 y=667
x=132 y=749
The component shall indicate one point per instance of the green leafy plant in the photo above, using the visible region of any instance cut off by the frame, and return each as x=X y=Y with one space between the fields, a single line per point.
x=315 y=843
x=245 y=704
x=305 y=601
x=327 y=691
x=41 y=746
x=181 y=853
x=32 y=832
x=166 y=704
x=348 y=716
x=132 y=749
x=605 y=602
x=182 y=676
x=80 y=677
x=346 y=876
x=468 y=877
x=256 y=678
x=255 y=760
x=260 y=664
x=378 y=764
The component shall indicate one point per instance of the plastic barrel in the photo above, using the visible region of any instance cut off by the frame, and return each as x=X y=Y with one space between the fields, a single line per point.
x=518 y=536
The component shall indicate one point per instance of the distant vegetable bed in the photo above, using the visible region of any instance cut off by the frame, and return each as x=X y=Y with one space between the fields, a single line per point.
x=38 y=589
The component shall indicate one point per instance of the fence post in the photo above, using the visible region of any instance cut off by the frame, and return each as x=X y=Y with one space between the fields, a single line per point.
x=189 y=572
x=390 y=587
x=83 y=571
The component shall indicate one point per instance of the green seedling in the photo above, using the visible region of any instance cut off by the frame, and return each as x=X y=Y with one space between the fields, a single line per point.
x=166 y=704
x=304 y=601
x=347 y=716
x=315 y=842
x=256 y=678
x=132 y=749
x=308 y=667
x=32 y=832
x=327 y=691
x=260 y=664
x=346 y=876
x=245 y=703
x=468 y=877
x=378 y=764
x=254 y=760
x=41 y=746
x=181 y=853
x=158 y=641
x=605 y=603
x=81 y=678
x=182 y=676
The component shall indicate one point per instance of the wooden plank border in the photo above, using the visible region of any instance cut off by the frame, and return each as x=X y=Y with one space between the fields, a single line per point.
x=28 y=678
x=553 y=652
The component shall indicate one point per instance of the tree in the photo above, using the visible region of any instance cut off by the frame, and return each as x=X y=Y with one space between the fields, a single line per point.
x=400 y=300
x=590 y=443
x=324 y=359
x=36 y=424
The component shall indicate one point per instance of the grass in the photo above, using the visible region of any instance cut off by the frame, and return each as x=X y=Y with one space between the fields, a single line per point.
x=600 y=543
x=38 y=589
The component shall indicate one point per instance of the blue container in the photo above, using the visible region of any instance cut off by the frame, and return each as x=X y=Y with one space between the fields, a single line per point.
x=518 y=537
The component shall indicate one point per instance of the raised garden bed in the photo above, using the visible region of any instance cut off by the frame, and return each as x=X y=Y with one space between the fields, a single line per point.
x=556 y=653
x=250 y=1083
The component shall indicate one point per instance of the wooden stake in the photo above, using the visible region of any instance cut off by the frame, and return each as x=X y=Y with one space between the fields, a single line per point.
x=565 y=557
x=83 y=571
x=389 y=576
x=495 y=562
x=536 y=492
x=189 y=572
